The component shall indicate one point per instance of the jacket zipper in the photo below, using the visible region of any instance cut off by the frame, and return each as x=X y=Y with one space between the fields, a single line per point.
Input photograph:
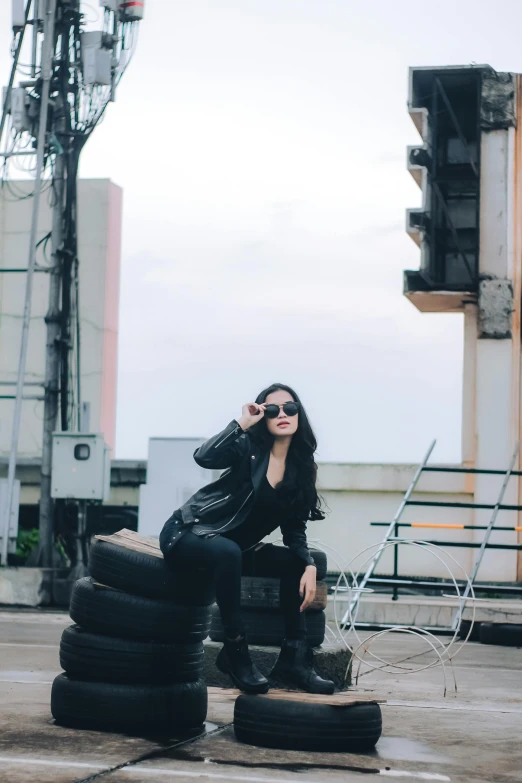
x=234 y=432
x=221 y=500
x=235 y=515
x=257 y=546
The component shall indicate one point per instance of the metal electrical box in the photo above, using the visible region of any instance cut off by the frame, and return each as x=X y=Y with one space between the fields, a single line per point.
x=17 y=14
x=80 y=466
x=96 y=59
x=19 y=104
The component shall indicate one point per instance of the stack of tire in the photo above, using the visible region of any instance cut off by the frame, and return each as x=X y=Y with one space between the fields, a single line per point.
x=468 y=632
x=502 y=634
x=134 y=658
x=261 y=610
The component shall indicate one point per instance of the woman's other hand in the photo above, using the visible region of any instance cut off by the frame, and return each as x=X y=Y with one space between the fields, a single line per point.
x=307 y=587
x=251 y=413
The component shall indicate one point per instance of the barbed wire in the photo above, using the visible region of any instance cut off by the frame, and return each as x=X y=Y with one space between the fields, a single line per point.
x=346 y=634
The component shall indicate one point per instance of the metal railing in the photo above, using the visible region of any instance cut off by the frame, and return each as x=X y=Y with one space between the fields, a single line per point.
x=393 y=528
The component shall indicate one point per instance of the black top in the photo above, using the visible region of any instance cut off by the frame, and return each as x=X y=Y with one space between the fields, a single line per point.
x=264 y=518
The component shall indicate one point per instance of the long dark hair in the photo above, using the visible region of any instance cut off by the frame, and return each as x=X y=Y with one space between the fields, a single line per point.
x=299 y=484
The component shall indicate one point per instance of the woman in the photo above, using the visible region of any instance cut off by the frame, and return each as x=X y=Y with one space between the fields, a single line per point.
x=268 y=482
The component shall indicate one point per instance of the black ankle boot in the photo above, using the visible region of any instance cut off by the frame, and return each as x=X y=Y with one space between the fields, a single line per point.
x=234 y=660
x=295 y=666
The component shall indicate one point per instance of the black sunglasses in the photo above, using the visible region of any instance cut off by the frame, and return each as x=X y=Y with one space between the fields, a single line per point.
x=290 y=408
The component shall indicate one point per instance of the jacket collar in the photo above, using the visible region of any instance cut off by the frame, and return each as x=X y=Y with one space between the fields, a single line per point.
x=259 y=465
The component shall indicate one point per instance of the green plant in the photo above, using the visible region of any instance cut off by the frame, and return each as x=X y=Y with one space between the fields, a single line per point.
x=61 y=549
x=27 y=541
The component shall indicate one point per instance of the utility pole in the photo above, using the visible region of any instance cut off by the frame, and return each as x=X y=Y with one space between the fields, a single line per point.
x=53 y=321
x=52 y=366
x=60 y=107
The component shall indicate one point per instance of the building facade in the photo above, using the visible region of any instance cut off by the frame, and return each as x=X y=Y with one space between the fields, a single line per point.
x=99 y=252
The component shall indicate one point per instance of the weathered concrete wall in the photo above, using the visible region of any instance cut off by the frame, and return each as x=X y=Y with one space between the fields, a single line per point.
x=20 y=586
x=495 y=309
x=417 y=610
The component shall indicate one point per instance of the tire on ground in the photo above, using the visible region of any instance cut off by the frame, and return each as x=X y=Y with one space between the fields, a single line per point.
x=104 y=610
x=89 y=656
x=129 y=708
x=319 y=559
x=139 y=573
x=299 y=725
x=503 y=634
x=266 y=627
x=464 y=630
x=262 y=592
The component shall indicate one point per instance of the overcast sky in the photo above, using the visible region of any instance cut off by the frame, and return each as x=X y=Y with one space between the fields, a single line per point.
x=261 y=147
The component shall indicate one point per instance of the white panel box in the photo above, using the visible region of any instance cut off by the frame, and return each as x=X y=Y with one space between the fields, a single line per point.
x=79 y=466
x=20 y=118
x=96 y=60
x=18 y=14
x=13 y=519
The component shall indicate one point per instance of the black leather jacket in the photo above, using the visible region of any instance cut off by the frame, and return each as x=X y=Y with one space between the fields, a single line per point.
x=226 y=503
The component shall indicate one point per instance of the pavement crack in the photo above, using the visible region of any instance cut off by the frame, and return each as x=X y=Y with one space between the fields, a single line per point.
x=294 y=766
x=152 y=754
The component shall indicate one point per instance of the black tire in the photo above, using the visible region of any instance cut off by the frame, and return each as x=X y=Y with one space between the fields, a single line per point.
x=266 y=627
x=262 y=592
x=503 y=634
x=88 y=656
x=61 y=592
x=109 y=612
x=464 y=630
x=141 y=574
x=129 y=708
x=319 y=558
x=299 y=725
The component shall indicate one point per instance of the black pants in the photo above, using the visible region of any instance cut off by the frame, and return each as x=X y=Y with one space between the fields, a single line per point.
x=225 y=563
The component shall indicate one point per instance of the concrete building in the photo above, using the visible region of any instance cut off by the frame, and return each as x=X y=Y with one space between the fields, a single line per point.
x=99 y=238
x=469 y=230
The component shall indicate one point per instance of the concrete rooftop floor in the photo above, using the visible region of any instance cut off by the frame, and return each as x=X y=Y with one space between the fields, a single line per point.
x=469 y=737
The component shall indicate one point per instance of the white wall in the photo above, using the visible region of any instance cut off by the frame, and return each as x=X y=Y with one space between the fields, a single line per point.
x=360 y=494
x=172 y=477
x=356 y=495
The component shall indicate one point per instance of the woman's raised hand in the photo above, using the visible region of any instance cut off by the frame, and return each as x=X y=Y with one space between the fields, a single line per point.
x=251 y=413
